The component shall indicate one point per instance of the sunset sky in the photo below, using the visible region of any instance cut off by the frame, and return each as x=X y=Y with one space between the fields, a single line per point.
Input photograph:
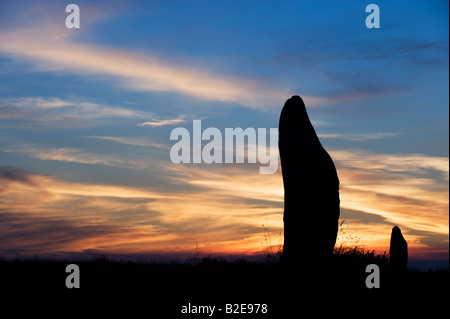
x=86 y=116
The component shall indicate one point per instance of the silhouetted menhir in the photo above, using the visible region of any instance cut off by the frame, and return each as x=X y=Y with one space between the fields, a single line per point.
x=398 y=252
x=311 y=188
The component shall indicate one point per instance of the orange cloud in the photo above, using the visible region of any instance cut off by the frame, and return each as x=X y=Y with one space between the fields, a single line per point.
x=127 y=219
x=222 y=208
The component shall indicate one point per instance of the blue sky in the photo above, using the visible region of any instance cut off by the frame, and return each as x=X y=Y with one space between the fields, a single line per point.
x=74 y=103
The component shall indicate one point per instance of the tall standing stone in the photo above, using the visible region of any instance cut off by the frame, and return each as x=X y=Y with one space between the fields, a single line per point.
x=311 y=188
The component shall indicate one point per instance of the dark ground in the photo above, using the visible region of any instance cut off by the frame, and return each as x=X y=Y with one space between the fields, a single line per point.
x=159 y=290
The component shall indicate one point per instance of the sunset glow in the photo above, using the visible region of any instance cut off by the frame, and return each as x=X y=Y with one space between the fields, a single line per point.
x=86 y=115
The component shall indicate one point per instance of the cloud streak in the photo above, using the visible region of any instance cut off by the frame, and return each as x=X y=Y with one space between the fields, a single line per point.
x=223 y=210
x=76 y=155
x=128 y=219
x=65 y=113
x=130 y=141
x=158 y=123
x=412 y=163
x=51 y=49
x=357 y=137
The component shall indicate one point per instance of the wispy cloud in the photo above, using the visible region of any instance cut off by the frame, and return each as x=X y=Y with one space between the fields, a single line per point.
x=352 y=59
x=157 y=123
x=128 y=219
x=62 y=113
x=41 y=103
x=408 y=163
x=223 y=210
x=130 y=141
x=48 y=47
x=409 y=190
x=75 y=155
x=357 y=137
x=134 y=71
x=399 y=189
x=42 y=214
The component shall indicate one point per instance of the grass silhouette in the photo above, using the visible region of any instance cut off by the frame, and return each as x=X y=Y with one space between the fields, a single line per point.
x=196 y=272
x=212 y=280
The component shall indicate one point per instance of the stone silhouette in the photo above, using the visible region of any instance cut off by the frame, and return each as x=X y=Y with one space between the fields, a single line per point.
x=311 y=188
x=398 y=252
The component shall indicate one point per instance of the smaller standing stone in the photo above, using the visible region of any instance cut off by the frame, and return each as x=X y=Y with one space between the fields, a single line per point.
x=398 y=253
